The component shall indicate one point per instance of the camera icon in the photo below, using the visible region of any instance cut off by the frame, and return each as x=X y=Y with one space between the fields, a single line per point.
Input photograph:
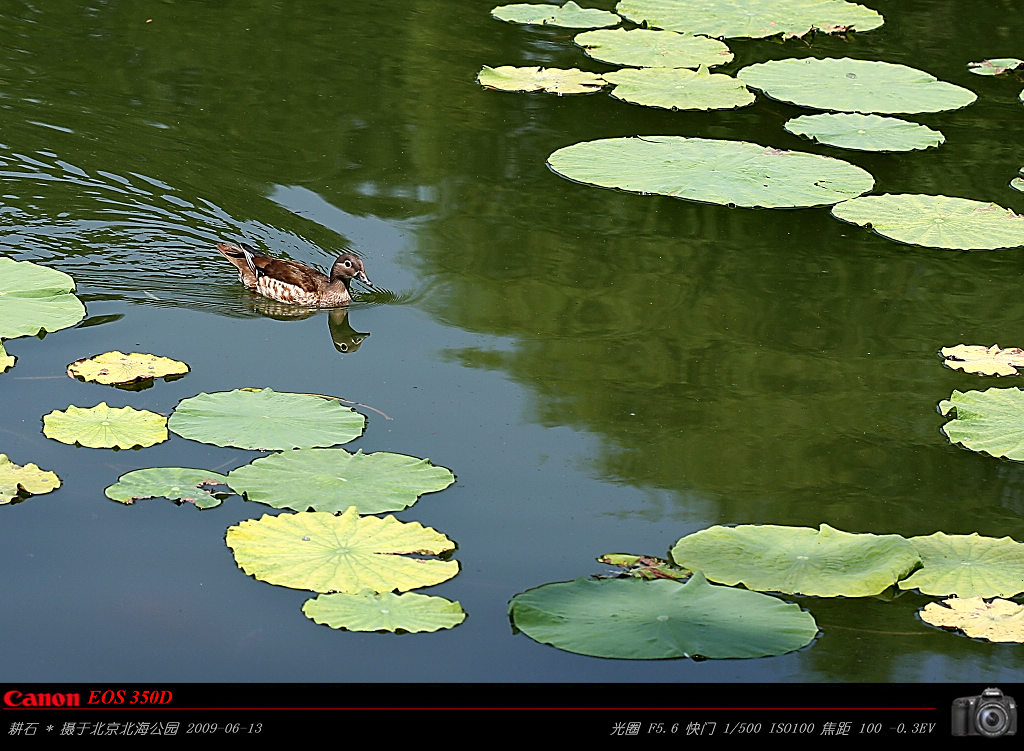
x=991 y=714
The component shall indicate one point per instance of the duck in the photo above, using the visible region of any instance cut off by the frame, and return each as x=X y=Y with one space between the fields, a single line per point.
x=293 y=282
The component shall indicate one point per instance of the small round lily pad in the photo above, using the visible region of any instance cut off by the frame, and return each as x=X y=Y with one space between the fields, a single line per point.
x=105 y=427
x=178 y=484
x=118 y=368
x=384 y=611
x=18 y=480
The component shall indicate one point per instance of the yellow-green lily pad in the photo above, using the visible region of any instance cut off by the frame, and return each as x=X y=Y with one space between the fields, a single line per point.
x=384 y=611
x=967 y=566
x=105 y=427
x=935 y=221
x=989 y=421
x=6 y=360
x=570 y=15
x=996 y=621
x=321 y=552
x=553 y=80
x=118 y=368
x=18 y=480
x=679 y=88
x=648 y=48
x=822 y=562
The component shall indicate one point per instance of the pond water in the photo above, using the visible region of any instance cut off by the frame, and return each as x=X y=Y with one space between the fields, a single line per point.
x=603 y=371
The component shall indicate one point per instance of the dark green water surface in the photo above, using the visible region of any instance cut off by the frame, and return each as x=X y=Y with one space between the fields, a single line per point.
x=604 y=372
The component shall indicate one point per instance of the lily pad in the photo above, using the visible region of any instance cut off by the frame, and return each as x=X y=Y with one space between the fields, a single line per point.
x=16 y=480
x=570 y=15
x=967 y=566
x=990 y=421
x=6 y=360
x=105 y=427
x=865 y=132
x=34 y=298
x=798 y=560
x=678 y=88
x=334 y=479
x=647 y=48
x=975 y=358
x=119 y=368
x=995 y=66
x=742 y=18
x=848 y=85
x=936 y=221
x=1017 y=183
x=553 y=80
x=995 y=621
x=385 y=611
x=322 y=552
x=264 y=419
x=734 y=173
x=178 y=484
x=631 y=619
x=645 y=566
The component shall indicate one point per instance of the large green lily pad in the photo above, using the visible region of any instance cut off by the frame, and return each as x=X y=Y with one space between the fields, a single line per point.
x=747 y=18
x=936 y=221
x=570 y=15
x=265 y=419
x=553 y=80
x=105 y=427
x=647 y=48
x=16 y=480
x=734 y=173
x=678 y=88
x=798 y=560
x=990 y=421
x=848 y=85
x=334 y=479
x=632 y=619
x=322 y=552
x=384 y=611
x=865 y=132
x=967 y=566
x=34 y=298
x=178 y=484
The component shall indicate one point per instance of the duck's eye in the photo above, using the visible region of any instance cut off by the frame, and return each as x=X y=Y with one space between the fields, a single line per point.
x=348 y=264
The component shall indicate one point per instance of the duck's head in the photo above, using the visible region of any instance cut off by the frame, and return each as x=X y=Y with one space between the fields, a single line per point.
x=348 y=267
